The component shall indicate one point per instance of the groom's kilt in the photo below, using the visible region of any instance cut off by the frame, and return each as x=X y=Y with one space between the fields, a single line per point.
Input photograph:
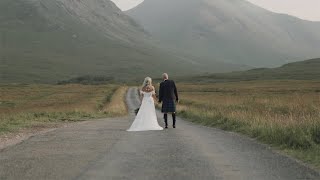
x=168 y=105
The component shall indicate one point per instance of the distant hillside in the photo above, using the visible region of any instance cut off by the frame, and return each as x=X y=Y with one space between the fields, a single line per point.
x=44 y=41
x=304 y=70
x=230 y=31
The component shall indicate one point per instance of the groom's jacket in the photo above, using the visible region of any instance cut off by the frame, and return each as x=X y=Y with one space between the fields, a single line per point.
x=168 y=91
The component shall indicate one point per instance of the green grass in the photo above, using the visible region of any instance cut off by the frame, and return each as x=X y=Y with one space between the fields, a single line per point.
x=28 y=106
x=12 y=123
x=283 y=114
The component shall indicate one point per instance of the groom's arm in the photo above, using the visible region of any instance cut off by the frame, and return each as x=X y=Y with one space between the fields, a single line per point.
x=175 y=91
x=160 y=93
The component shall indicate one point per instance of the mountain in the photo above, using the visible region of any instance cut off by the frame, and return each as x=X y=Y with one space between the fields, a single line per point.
x=44 y=41
x=229 y=30
x=302 y=70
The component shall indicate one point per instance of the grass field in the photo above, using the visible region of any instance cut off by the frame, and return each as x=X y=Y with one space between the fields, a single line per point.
x=285 y=114
x=24 y=106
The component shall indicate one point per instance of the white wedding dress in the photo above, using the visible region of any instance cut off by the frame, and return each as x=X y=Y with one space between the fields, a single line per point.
x=146 y=119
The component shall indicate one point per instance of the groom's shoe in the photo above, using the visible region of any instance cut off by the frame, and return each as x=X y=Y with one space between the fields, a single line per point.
x=174 y=126
x=166 y=126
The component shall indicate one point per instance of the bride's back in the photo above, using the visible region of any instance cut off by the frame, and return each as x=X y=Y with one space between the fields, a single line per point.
x=148 y=91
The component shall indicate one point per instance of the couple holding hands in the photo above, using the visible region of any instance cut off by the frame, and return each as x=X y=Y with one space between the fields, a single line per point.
x=146 y=119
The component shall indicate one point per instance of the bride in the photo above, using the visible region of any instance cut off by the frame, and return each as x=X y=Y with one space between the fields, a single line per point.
x=146 y=119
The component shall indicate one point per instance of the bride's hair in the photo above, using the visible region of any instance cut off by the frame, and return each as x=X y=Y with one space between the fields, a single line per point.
x=147 y=82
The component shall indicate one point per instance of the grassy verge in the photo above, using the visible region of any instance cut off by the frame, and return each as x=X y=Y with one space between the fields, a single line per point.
x=27 y=106
x=284 y=114
x=117 y=105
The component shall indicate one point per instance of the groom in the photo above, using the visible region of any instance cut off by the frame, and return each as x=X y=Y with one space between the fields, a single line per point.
x=168 y=95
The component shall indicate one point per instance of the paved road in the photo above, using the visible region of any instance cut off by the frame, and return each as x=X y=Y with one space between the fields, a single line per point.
x=102 y=149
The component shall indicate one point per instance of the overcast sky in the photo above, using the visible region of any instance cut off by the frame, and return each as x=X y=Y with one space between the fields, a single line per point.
x=127 y=4
x=305 y=9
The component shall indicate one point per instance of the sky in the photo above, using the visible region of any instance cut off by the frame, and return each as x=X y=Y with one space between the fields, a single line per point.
x=304 y=9
x=127 y=4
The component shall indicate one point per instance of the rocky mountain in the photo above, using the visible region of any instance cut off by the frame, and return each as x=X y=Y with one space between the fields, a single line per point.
x=229 y=30
x=50 y=40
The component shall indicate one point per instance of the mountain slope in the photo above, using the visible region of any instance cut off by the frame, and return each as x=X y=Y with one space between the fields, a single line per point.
x=229 y=30
x=51 y=40
x=302 y=70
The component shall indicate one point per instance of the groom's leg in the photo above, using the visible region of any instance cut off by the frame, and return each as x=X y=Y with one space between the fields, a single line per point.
x=165 y=116
x=174 y=119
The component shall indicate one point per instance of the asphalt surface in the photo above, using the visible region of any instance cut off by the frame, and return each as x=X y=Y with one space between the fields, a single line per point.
x=102 y=149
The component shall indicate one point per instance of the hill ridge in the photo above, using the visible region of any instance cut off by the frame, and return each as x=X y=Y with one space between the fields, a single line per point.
x=302 y=70
x=235 y=31
x=45 y=41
